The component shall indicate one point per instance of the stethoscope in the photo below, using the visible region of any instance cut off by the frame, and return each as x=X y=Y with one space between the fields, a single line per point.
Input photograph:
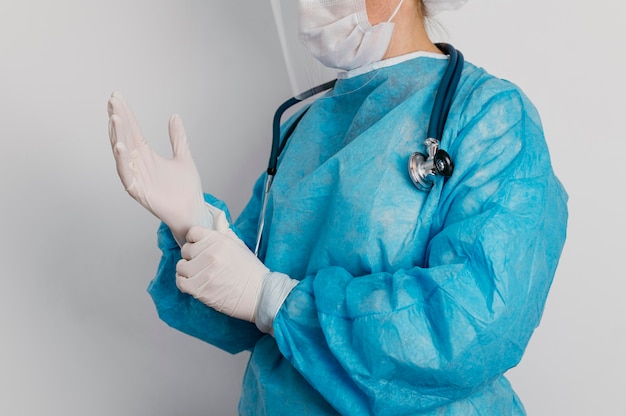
x=423 y=168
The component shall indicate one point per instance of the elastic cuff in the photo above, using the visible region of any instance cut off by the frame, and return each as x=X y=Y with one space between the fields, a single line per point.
x=274 y=290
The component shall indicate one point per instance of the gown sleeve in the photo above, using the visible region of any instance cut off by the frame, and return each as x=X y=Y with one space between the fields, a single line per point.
x=185 y=313
x=420 y=338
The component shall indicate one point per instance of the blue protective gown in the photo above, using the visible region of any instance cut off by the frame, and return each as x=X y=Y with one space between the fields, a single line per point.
x=410 y=303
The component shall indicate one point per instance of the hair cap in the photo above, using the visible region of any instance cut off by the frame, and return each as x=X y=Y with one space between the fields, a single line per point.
x=435 y=6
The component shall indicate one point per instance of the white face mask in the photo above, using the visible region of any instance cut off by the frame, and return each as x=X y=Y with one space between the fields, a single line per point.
x=339 y=35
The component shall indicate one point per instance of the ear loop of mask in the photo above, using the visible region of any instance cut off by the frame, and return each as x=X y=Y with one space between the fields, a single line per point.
x=395 y=12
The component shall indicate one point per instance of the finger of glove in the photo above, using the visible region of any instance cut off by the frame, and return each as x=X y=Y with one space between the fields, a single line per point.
x=119 y=106
x=196 y=242
x=186 y=285
x=197 y=275
x=202 y=263
x=178 y=137
x=198 y=233
x=195 y=287
x=110 y=104
x=113 y=134
x=123 y=131
x=121 y=154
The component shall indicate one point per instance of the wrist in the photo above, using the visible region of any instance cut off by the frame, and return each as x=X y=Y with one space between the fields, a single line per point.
x=274 y=290
x=205 y=216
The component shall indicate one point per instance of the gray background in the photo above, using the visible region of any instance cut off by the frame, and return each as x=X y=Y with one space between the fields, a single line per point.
x=79 y=333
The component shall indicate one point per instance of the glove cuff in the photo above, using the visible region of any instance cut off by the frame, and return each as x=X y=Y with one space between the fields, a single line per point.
x=274 y=290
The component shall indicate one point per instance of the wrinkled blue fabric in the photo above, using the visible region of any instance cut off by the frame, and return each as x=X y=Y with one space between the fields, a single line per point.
x=409 y=303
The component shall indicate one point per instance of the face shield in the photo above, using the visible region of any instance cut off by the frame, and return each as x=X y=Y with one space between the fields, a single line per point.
x=322 y=38
x=304 y=71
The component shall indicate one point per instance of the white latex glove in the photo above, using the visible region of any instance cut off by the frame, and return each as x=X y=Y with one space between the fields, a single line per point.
x=224 y=274
x=169 y=188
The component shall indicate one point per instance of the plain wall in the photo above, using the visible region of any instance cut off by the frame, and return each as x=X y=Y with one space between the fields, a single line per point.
x=80 y=335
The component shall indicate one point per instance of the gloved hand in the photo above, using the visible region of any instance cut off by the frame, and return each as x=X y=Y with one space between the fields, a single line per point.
x=222 y=273
x=169 y=188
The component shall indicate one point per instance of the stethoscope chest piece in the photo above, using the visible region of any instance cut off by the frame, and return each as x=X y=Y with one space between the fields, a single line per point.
x=424 y=168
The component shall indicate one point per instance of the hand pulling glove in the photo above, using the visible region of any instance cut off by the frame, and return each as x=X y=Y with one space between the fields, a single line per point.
x=224 y=274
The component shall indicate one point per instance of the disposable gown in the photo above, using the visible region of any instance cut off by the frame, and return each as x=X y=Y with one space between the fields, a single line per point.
x=409 y=303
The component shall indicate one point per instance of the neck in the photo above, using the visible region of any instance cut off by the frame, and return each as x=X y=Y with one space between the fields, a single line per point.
x=409 y=34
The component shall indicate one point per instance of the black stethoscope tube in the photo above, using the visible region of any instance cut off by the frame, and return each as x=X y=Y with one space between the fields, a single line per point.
x=445 y=92
x=277 y=147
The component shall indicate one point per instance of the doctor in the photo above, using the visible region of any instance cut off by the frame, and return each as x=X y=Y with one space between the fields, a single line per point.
x=369 y=296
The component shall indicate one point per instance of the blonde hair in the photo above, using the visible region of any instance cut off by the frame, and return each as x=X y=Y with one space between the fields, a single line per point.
x=433 y=27
x=423 y=11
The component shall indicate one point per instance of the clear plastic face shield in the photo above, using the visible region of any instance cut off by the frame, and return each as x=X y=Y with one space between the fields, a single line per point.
x=304 y=71
x=321 y=39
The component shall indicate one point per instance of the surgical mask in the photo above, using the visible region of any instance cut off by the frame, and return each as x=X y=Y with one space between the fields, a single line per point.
x=339 y=34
